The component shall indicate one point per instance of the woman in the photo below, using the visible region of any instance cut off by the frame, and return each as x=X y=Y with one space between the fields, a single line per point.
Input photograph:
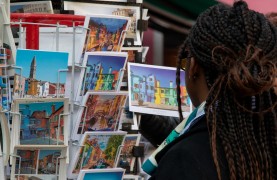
x=230 y=59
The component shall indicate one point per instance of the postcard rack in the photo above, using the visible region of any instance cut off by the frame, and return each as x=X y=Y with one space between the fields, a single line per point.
x=31 y=24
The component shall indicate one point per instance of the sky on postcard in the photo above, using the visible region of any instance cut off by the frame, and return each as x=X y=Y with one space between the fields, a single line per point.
x=115 y=62
x=41 y=106
x=48 y=64
x=112 y=24
x=163 y=75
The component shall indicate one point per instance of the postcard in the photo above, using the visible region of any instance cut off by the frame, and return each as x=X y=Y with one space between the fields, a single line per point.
x=126 y=157
x=43 y=73
x=133 y=12
x=36 y=177
x=32 y=7
x=102 y=174
x=104 y=71
x=31 y=162
x=133 y=53
x=4 y=81
x=42 y=122
x=106 y=33
x=99 y=150
x=101 y=111
x=128 y=116
x=152 y=90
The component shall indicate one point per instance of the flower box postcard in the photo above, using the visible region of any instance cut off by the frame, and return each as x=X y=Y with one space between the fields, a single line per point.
x=42 y=74
x=102 y=174
x=126 y=157
x=104 y=71
x=133 y=12
x=152 y=90
x=43 y=121
x=101 y=112
x=39 y=163
x=99 y=150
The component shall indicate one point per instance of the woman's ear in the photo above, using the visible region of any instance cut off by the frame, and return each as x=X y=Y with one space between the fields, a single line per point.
x=193 y=69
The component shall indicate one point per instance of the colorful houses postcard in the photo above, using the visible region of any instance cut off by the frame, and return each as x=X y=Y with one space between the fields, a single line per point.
x=40 y=122
x=102 y=174
x=152 y=90
x=126 y=157
x=98 y=150
x=101 y=112
x=92 y=8
x=106 y=33
x=43 y=73
x=104 y=71
x=39 y=163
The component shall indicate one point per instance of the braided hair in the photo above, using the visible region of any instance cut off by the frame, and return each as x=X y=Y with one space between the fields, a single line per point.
x=237 y=49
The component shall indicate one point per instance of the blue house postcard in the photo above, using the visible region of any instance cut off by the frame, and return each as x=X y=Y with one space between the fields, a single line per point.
x=40 y=122
x=152 y=90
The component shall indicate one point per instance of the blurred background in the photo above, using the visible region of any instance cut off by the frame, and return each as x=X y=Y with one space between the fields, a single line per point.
x=170 y=22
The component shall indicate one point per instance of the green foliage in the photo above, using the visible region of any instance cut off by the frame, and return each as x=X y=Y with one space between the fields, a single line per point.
x=113 y=144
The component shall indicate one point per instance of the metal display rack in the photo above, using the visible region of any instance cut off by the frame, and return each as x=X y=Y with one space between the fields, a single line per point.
x=31 y=23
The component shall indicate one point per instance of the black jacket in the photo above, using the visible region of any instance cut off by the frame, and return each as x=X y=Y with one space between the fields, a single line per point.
x=156 y=128
x=189 y=157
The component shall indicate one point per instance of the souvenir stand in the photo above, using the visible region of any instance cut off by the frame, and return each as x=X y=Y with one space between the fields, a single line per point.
x=55 y=127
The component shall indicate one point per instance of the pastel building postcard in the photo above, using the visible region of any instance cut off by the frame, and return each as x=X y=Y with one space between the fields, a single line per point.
x=40 y=73
x=99 y=150
x=106 y=32
x=40 y=122
x=104 y=71
x=152 y=90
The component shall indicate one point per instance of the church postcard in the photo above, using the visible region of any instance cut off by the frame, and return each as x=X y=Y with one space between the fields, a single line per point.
x=40 y=73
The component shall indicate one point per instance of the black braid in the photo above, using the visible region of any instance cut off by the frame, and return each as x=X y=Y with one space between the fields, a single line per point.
x=237 y=49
